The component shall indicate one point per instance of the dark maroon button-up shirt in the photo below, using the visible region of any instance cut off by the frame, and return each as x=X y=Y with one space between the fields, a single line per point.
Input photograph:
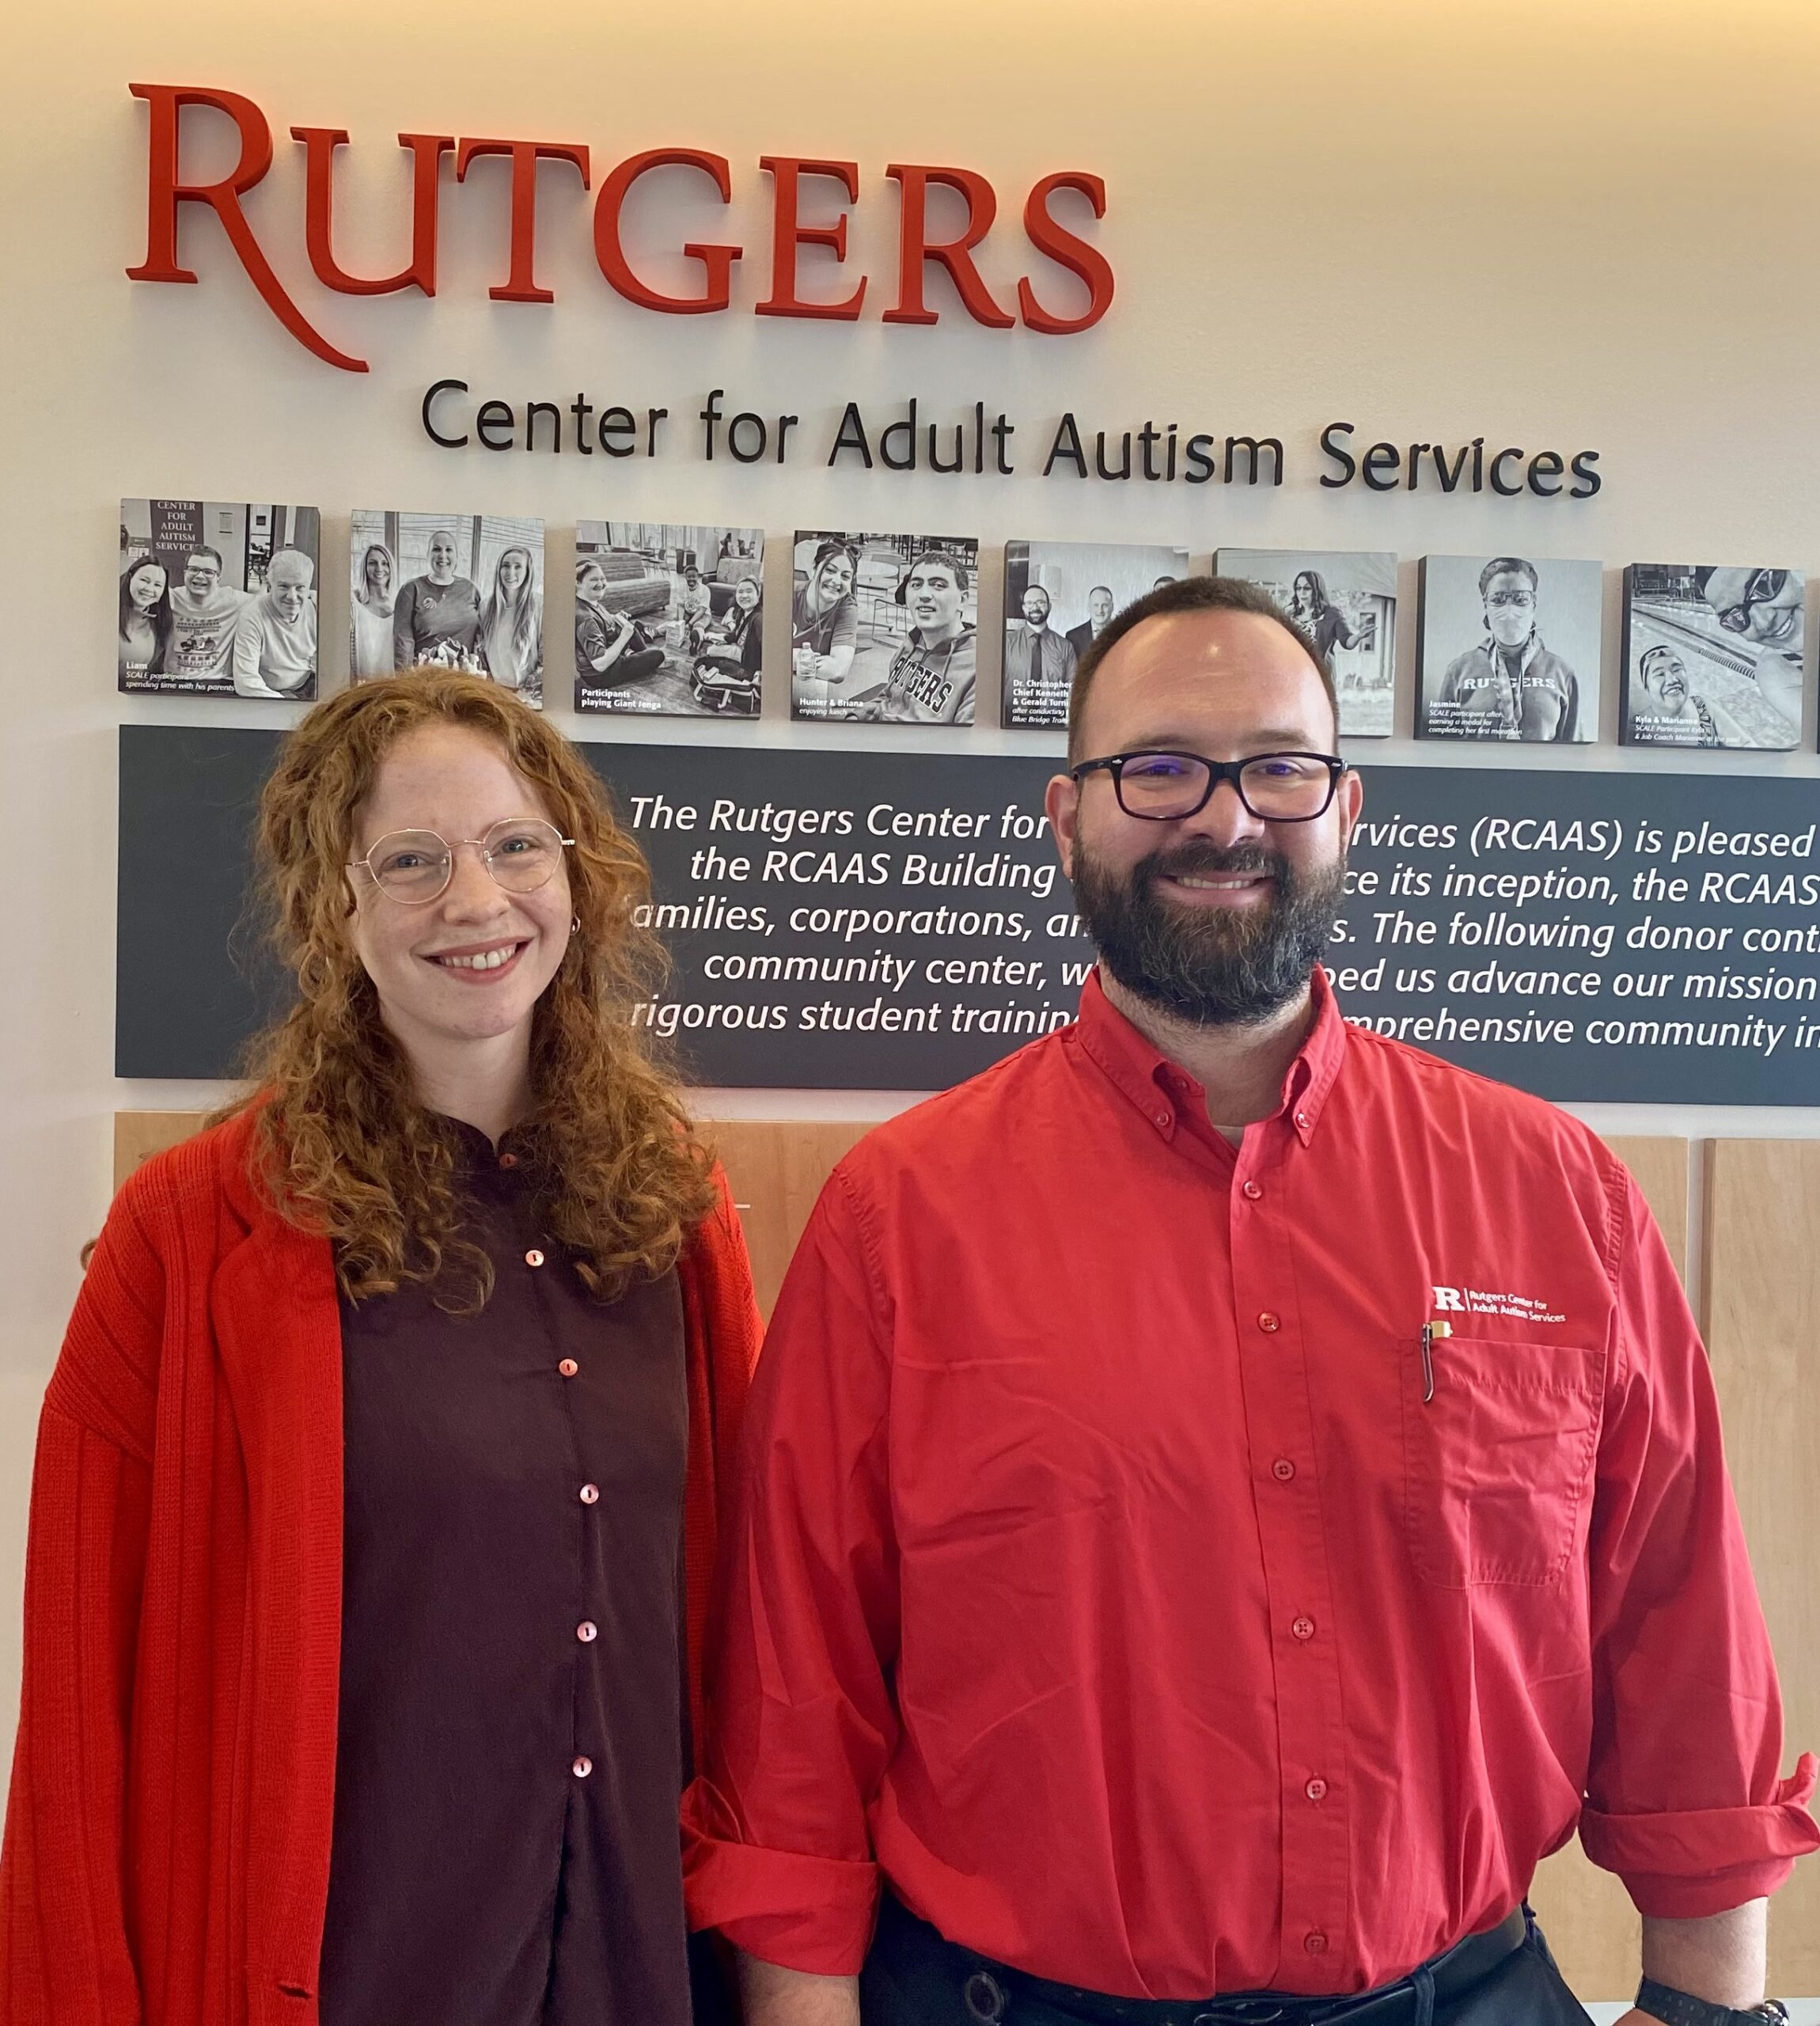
x=511 y=1744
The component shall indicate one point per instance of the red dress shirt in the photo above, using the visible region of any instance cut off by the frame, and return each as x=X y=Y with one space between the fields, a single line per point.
x=1101 y=1576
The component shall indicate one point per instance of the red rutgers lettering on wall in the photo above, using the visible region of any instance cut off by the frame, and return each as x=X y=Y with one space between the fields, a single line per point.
x=799 y=218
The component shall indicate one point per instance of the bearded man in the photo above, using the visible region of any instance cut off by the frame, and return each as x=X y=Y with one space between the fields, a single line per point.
x=1228 y=1492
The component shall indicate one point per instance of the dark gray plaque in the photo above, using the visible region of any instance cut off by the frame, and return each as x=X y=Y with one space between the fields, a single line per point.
x=897 y=920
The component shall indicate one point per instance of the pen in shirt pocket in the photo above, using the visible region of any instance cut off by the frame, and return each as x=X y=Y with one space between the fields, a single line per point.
x=1430 y=1332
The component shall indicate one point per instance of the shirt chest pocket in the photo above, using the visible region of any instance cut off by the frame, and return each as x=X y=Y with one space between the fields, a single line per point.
x=1498 y=1456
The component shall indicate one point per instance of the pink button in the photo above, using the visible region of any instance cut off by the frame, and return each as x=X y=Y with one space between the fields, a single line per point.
x=1316 y=1790
x=582 y=1766
x=1269 y=1323
x=1283 y=1469
x=590 y=1494
x=1303 y=1628
x=1251 y=1192
x=568 y=1368
x=1301 y=1120
x=533 y=1257
x=1315 y=1944
x=508 y=1160
x=587 y=1631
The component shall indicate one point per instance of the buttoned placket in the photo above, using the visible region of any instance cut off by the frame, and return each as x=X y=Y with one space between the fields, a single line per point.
x=537 y=1263
x=1287 y=1492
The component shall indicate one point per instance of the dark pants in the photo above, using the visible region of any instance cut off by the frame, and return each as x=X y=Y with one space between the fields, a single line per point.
x=914 y=1977
x=635 y=665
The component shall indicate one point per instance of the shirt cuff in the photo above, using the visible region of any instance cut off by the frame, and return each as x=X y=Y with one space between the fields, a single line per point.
x=783 y=1906
x=1686 y=1865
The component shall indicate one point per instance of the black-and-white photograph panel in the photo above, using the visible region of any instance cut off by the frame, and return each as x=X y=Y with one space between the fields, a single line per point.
x=669 y=618
x=1508 y=647
x=1346 y=600
x=1058 y=596
x=884 y=629
x=457 y=591
x=218 y=598
x=1712 y=656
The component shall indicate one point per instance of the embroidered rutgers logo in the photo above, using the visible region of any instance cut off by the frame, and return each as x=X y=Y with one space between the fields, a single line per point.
x=1484 y=1301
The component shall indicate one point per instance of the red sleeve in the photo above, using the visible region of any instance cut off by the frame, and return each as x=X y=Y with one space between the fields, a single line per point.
x=64 y=1953
x=724 y=1330
x=802 y=1724
x=1684 y=1799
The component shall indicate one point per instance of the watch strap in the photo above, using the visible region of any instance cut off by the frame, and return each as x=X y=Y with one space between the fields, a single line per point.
x=1676 y=2008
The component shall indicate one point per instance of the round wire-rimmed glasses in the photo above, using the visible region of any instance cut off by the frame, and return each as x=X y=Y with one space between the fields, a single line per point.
x=414 y=867
x=1276 y=788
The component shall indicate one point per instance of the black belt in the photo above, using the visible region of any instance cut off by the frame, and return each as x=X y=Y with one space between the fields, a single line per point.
x=989 y=1989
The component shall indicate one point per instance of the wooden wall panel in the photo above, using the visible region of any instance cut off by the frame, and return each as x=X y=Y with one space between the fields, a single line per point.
x=139 y=1135
x=777 y=1171
x=1762 y=1325
x=1661 y=1169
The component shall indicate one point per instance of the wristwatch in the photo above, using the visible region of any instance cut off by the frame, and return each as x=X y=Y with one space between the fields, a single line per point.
x=1676 y=2008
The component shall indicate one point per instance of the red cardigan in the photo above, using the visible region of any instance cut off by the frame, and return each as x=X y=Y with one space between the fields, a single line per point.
x=166 y=1856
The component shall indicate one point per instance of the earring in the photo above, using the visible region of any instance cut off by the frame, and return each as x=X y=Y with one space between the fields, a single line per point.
x=574 y=924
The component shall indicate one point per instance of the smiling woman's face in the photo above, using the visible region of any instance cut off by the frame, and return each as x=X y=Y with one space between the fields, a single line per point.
x=146 y=586
x=835 y=579
x=433 y=996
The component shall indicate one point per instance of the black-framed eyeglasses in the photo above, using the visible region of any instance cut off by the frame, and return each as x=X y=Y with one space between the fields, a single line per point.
x=1276 y=788
x=1763 y=588
x=414 y=867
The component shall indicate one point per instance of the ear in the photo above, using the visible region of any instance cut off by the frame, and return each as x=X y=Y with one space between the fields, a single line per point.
x=1062 y=803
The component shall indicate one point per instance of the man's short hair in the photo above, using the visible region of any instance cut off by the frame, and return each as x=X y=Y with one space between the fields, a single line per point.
x=1507 y=566
x=1097 y=588
x=1189 y=594
x=200 y=549
x=949 y=561
x=302 y=554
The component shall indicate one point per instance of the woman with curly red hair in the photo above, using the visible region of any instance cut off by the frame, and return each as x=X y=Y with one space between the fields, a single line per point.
x=377 y=1482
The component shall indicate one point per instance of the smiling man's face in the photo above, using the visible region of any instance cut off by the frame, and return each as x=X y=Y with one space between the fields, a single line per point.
x=1220 y=916
x=933 y=596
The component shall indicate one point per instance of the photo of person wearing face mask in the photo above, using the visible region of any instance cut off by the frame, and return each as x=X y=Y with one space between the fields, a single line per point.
x=1522 y=678
x=1712 y=656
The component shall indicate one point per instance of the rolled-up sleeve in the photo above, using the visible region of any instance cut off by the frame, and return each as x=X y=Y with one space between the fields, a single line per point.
x=1685 y=1797
x=777 y=1848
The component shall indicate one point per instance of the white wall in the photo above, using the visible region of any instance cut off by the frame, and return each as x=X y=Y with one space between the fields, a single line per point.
x=1555 y=225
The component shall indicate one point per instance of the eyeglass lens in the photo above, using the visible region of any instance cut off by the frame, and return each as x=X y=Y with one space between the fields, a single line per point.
x=415 y=865
x=1284 y=786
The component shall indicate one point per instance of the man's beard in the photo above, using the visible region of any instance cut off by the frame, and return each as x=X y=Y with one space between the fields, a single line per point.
x=1213 y=966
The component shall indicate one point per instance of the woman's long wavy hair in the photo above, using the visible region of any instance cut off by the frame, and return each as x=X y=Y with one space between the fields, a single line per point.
x=343 y=1145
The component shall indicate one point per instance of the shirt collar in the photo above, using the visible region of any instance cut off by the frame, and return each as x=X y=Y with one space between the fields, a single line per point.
x=1160 y=1089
